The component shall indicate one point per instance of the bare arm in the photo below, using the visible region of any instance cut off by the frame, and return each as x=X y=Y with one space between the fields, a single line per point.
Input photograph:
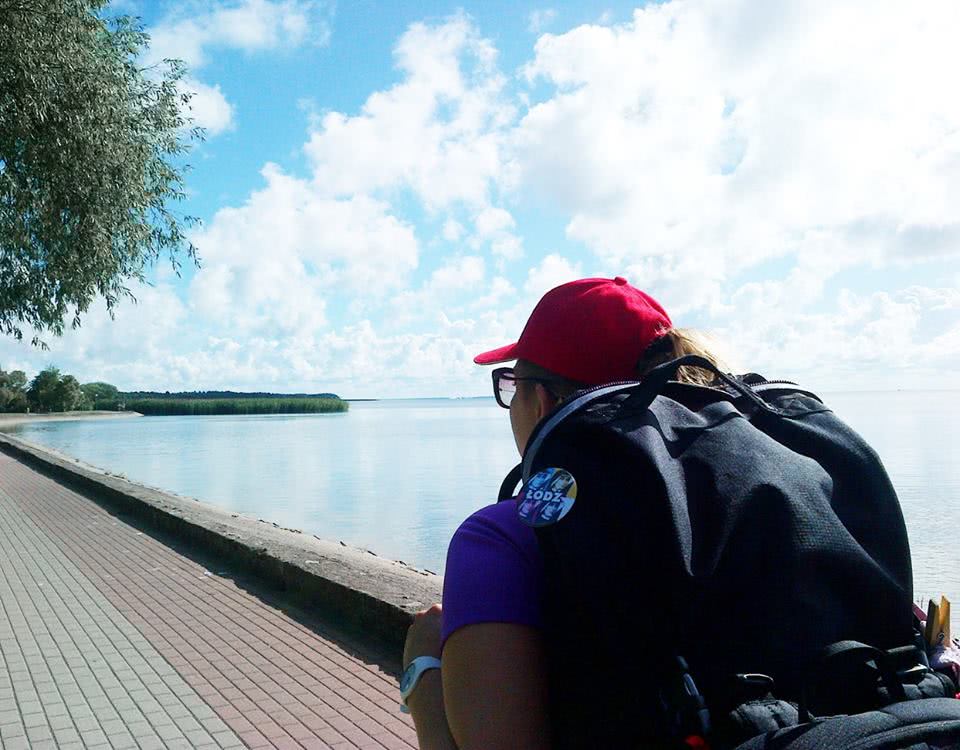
x=492 y=693
x=495 y=687
x=429 y=717
x=426 y=700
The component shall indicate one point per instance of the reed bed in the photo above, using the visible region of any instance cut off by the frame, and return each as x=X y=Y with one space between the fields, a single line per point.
x=213 y=406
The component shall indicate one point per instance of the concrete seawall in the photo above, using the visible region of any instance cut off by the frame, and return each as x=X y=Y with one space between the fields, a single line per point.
x=374 y=597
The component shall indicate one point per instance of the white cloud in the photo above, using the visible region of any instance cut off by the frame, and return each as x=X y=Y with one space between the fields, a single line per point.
x=209 y=108
x=731 y=158
x=540 y=19
x=944 y=349
x=700 y=139
x=552 y=271
x=448 y=291
x=507 y=247
x=452 y=230
x=491 y=221
x=248 y=25
x=499 y=290
x=857 y=341
x=458 y=276
x=140 y=338
x=495 y=225
x=437 y=133
x=270 y=264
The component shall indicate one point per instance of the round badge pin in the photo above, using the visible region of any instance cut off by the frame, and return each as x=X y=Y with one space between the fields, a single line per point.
x=547 y=497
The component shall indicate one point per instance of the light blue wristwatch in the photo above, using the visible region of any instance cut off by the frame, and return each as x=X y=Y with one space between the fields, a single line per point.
x=411 y=676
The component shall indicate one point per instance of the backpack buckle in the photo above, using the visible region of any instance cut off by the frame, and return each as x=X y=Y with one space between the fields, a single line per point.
x=684 y=707
x=759 y=684
x=753 y=685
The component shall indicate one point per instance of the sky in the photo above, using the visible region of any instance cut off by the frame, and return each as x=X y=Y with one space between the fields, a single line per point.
x=386 y=189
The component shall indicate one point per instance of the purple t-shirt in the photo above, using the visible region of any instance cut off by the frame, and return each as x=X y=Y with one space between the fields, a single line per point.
x=494 y=571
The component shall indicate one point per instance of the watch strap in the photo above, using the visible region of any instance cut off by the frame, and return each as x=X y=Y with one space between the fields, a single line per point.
x=412 y=674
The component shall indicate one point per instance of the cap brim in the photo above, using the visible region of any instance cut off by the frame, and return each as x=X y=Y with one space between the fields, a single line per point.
x=495 y=356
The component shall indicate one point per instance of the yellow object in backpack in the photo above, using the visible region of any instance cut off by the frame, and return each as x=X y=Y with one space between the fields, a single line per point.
x=937 y=630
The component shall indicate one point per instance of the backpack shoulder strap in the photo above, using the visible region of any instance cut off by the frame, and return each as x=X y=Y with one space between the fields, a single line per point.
x=508 y=488
x=579 y=402
x=652 y=384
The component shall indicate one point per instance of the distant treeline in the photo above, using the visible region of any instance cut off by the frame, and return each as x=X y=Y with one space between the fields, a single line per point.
x=196 y=395
x=53 y=391
x=236 y=404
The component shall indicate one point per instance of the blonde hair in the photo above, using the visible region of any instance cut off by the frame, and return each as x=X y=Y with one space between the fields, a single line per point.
x=679 y=342
x=675 y=342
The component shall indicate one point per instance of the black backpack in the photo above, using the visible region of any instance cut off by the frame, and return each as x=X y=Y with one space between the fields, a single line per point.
x=724 y=566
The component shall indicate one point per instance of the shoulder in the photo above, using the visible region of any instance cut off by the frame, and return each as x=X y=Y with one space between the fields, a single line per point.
x=491 y=526
x=493 y=571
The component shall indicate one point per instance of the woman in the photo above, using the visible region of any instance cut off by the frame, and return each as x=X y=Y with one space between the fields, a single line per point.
x=492 y=692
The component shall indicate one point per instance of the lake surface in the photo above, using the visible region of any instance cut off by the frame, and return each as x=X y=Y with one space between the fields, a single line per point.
x=397 y=477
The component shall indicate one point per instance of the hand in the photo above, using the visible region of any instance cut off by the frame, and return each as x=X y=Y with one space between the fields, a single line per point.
x=423 y=637
x=426 y=700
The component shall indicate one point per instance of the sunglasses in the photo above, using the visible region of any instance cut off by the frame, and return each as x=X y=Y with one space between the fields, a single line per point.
x=505 y=385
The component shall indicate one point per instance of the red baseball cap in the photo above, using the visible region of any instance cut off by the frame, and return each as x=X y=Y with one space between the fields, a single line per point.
x=592 y=331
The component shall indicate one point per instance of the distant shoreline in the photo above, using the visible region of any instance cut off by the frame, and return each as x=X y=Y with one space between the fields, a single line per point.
x=10 y=420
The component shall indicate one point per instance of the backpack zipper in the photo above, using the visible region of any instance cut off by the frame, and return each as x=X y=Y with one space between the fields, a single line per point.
x=580 y=398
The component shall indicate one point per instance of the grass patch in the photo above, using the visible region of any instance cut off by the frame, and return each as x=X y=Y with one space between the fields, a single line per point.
x=212 y=406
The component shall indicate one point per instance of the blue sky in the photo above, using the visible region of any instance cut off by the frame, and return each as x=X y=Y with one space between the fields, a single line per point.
x=388 y=188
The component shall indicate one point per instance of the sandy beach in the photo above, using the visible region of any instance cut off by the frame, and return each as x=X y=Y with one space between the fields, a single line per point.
x=10 y=420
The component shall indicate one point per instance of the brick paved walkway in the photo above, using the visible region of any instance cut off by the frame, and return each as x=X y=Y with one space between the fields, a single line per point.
x=109 y=638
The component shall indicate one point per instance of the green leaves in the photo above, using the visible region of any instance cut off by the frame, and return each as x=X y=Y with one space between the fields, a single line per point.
x=13 y=393
x=101 y=396
x=91 y=149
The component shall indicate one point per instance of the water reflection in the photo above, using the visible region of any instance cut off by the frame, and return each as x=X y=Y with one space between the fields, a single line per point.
x=398 y=477
x=394 y=477
x=916 y=436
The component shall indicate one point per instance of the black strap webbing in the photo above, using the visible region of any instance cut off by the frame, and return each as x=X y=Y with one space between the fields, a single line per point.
x=509 y=485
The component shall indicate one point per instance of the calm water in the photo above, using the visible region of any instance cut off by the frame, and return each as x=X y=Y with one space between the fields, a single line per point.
x=397 y=477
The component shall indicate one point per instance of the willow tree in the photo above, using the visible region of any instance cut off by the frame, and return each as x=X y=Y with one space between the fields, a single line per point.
x=92 y=145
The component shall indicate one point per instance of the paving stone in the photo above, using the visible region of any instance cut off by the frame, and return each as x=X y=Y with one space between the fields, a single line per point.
x=116 y=693
x=80 y=711
x=198 y=737
x=39 y=734
x=62 y=721
x=86 y=723
x=168 y=731
x=125 y=704
x=50 y=697
x=214 y=725
x=94 y=738
x=66 y=736
x=9 y=731
x=223 y=738
x=112 y=727
x=98 y=702
x=162 y=645
x=140 y=729
x=183 y=744
x=151 y=743
x=122 y=741
x=28 y=707
x=105 y=714
x=35 y=720
x=56 y=709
